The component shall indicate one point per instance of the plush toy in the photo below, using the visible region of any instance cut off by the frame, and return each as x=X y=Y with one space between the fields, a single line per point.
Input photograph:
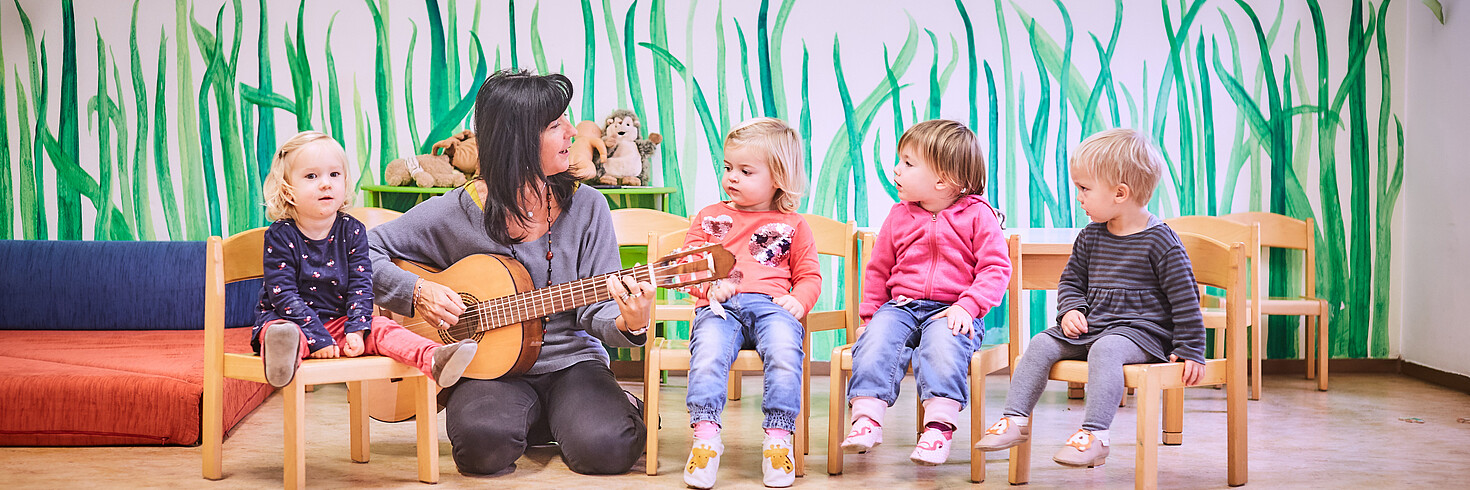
x=450 y=163
x=627 y=155
x=463 y=152
x=423 y=171
x=587 y=151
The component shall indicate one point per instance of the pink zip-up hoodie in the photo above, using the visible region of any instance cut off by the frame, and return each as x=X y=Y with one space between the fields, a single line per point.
x=956 y=256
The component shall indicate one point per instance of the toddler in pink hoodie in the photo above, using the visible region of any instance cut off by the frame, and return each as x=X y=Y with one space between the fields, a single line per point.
x=940 y=263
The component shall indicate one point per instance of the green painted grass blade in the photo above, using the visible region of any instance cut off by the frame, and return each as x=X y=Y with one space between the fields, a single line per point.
x=68 y=200
x=447 y=123
x=7 y=217
x=804 y=125
x=265 y=144
x=1052 y=55
x=334 y=93
x=383 y=82
x=363 y=123
x=30 y=197
x=439 y=79
x=992 y=191
x=196 y=221
x=166 y=191
x=974 y=68
x=1063 y=182
x=515 y=62
x=763 y=56
x=620 y=70
x=933 y=106
x=413 y=125
x=854 y=161
x=538 y=52
x=750 y=100
x=143 y=212
x=777 y=87
x=589 y=60
x=635 y=86
x=722 y=90
x=663 y=85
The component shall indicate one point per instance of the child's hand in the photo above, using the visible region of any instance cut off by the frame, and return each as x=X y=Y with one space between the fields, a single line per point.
x=328 y=352
x=960 y=321
x=791 y=305
x=721 y=291
x=1074 y=324
x=352 y=344
x=1193 y=371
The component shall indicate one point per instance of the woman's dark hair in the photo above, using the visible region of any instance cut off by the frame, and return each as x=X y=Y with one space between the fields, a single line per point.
x=511 y=110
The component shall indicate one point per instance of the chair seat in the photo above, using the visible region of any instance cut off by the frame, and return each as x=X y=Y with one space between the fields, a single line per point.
x=674 y=356
x=1170 y=374
x=322 y=371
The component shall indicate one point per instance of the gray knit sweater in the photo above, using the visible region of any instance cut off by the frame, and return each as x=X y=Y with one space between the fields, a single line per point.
x=443 y=230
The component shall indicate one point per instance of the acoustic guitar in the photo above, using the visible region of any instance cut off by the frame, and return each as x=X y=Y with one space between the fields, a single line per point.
x=505 y=314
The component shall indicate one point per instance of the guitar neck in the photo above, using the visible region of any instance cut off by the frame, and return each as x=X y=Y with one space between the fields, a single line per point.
x=541 y=303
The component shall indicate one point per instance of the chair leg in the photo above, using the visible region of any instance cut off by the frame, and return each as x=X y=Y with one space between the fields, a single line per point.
x=357 y=421
x=918 y=416
x=1309 y=341
x=295 y=435
x=1020 y=466
x=1174 y=416
x=213 y=426
x=650 y=408
x=806 y=403
x=426 y=419
x=977 y=417
x=1076 y=391
x=836 y=419
x=1323 y=356
x=1146 y=459
x=1235 y=422
x=733 y=393
x=1123 y=401
x=800 y=442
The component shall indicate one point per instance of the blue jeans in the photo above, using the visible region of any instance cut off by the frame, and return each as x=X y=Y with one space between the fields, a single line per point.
x=751 y=320
x=899 y=333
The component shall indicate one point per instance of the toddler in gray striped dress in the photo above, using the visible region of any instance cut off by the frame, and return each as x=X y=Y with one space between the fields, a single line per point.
x=1127 y=296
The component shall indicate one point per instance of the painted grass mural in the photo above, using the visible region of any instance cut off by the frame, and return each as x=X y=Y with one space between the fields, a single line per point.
x=1263 y=105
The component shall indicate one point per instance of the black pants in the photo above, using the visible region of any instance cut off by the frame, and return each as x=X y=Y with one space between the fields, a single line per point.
x=582 y=408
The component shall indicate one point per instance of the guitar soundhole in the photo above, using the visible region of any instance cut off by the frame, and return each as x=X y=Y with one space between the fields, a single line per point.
x=465 y=329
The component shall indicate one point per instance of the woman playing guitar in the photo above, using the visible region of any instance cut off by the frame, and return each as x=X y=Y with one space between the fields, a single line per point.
x=526 y=207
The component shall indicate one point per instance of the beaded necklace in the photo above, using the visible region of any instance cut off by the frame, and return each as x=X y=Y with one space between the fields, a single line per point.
x=549 y=253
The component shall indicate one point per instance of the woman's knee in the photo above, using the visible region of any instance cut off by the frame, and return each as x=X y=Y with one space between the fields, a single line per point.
x=604 y=449
x=485 y=449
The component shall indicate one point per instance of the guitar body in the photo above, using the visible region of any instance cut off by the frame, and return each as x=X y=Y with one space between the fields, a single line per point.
x=505 y=311
x=505 y=351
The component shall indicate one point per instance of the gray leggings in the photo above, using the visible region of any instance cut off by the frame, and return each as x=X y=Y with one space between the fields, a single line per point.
x=1105 y=359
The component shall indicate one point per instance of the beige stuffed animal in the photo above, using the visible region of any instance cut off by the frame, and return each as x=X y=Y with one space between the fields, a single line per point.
x=627 y=155
x=463 y=152
x=423 y=171
x=587 y=151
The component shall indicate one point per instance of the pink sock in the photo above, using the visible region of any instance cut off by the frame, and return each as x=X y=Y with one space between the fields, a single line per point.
x=777 y=433
x=870 y=408
x=706 y=430
x=942 y=411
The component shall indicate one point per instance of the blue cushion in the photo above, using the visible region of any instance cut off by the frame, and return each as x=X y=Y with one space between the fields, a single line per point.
x=105 y=285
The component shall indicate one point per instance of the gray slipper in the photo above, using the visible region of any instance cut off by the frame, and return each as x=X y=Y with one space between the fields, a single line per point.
x=280 y=349
x=451 y=360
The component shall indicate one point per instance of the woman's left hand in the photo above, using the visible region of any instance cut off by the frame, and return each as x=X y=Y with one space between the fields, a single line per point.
x=634 y=300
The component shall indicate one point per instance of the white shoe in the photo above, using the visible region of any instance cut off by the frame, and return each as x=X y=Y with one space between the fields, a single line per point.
x=777 y=468
x=865 y=435
x=704 y=462
x=933 y=447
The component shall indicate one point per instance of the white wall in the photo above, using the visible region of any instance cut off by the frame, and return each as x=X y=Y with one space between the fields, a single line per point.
x=1437 y=168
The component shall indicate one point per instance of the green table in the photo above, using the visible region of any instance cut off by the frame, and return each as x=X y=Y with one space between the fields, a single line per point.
x=400 y=198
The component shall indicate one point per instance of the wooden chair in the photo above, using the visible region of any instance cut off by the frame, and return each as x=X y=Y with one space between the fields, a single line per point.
x=640 y=227
x=1289 y=233
x=239 y=258
x=833 y=239
x=990 y=359
x=1215 y=264
x=1227 y=231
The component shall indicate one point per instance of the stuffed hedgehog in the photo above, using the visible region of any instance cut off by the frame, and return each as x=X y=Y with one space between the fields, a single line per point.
x=627 y=155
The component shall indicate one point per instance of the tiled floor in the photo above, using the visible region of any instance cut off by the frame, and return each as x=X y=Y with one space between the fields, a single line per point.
x=1351 y=436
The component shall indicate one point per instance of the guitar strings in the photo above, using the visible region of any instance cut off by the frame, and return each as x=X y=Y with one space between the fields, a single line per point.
x=475 y=320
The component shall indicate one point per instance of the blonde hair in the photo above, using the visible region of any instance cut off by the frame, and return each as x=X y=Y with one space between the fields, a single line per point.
x=1121 y=156
x=952 y=150
x=783 y=147
x=279 y=196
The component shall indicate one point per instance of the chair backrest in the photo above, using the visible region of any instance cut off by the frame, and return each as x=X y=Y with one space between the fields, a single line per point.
x=1284 y=232
x=1039 y=266
x=1226 y=231
x=633 y=225
x=227 y=260
x=372 y=217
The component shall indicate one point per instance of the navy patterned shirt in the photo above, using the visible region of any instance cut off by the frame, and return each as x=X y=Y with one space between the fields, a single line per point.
x=1140 y=286
x=311 y=282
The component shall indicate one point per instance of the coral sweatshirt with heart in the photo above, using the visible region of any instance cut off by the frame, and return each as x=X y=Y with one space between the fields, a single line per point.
x=775 y=253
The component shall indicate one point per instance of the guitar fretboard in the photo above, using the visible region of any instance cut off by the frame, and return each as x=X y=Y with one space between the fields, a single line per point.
x=541 y=303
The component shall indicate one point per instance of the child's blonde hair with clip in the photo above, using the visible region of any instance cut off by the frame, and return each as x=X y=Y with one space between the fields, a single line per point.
x=782 y=145
x=1121 y=156
x=952 y=150
x=280 y=197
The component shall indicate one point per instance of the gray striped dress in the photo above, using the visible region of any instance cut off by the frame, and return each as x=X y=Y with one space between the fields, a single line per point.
x=1139 y=286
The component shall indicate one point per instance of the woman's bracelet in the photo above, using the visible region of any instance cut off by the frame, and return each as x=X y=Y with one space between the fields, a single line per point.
x=418 y=289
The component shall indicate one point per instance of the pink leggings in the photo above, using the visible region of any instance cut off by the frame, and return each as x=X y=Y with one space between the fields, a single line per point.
x=388 y=339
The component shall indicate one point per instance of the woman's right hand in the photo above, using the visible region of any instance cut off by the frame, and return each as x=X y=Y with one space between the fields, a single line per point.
x=438 y=304
x=1074 y=324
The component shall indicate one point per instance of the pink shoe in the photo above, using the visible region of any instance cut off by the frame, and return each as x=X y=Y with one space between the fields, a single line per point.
x=866 y=434
x=933 y=447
